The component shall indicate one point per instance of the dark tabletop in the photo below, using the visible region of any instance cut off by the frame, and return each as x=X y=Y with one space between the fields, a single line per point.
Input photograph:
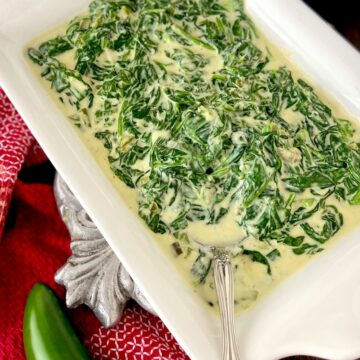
x=343 y=15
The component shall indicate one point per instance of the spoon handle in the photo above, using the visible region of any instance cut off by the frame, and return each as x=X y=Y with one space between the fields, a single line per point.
x=224 y=283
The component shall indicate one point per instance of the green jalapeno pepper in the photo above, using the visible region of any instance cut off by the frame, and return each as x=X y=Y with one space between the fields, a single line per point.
x=48 y=334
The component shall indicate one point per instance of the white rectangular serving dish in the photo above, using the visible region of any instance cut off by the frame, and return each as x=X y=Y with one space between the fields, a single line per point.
x=316 y=311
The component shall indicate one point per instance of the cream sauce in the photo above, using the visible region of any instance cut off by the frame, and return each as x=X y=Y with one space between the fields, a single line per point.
x=226 y=232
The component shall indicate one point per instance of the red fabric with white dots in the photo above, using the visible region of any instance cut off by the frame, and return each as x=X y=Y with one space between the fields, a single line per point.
x=15 y=142
x=37 y=245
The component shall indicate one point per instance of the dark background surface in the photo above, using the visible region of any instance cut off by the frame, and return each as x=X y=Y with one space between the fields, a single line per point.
x=343 y=15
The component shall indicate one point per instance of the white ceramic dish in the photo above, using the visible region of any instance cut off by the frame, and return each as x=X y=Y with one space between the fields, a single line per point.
x=316 y=311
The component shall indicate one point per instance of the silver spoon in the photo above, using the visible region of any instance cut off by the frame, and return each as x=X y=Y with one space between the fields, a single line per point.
x=224 y=283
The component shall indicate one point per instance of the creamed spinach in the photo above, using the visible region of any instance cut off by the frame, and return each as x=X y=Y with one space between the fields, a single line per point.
x=196 y=118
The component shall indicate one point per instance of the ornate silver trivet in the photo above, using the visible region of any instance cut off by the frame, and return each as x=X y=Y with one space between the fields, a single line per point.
x=92 y=275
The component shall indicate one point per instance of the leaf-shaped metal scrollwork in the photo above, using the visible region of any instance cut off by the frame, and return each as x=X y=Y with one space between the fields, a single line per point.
x=92 y=275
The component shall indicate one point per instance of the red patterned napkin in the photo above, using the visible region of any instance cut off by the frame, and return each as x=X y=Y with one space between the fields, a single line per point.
x=38 y=244
x=15 y=142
